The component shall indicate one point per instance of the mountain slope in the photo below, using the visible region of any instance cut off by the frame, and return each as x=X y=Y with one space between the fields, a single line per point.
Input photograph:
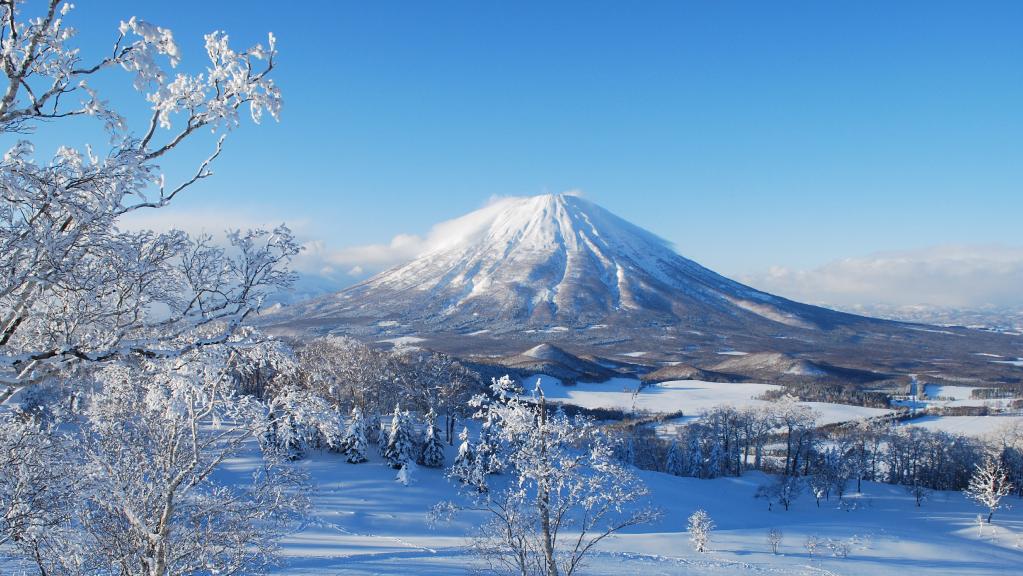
x=558 y=268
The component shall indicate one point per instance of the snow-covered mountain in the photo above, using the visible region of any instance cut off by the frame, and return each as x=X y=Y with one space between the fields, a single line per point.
x=555 y=261
x=558 y=268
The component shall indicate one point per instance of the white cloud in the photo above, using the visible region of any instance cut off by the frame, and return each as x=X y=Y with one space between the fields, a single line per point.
x=354 y=262
x=212 y=221
x=947 y=276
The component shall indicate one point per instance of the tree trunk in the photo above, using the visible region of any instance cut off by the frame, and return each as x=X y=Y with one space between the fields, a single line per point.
x=543 y=498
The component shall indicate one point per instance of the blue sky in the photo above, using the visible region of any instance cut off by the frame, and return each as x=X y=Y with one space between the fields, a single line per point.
x=750 y=134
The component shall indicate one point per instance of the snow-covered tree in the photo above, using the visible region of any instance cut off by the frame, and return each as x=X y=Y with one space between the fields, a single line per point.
x=79 y=288
x=989 y=484
x=348 y=373
x=377 y=432
x=37 y=496
x=784 y=490
x=820 y=484
x=467 y=468
x=466 y=455
x=774 y=539
x=700 y=527
x=489 y=449
x=406 y=474
x=694 y=455
x=432 y=453
x=354 y=444
x=301 y=420
x=135 y=333
x=811 y=544
x=567 y=492
x=672 y=461
x=401 y=444
x=138 y=472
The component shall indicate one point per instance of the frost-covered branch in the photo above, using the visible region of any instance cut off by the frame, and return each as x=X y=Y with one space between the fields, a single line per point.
x=75 y=287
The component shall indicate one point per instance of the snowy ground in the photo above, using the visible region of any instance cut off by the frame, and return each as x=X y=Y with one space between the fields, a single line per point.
x=1016 y=362
x=944 y=396
x=960 y=396
x=688 y=396
x=366 y=523
x=976 y=426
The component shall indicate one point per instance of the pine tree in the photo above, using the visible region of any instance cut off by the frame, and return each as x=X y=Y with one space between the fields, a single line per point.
x=488 y=449
x=400 y=443
x=672 y=462
x=432 y=454
x=466 y=454
x=377 y=432
x=406 y=474
x=694 y=466
x=714 y=459
x=354 y=443
x=468 y=468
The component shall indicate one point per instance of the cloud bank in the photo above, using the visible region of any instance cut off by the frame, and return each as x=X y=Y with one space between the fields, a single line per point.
x=944 y=276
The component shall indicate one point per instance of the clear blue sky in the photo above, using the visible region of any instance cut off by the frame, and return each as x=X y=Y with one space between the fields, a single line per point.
x=748 y=133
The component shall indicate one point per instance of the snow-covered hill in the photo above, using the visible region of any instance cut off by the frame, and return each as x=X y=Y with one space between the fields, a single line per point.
x=365 y=522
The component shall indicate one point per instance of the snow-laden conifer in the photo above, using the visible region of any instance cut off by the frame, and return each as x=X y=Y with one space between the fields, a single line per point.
x=432 y=453
x=354 y=443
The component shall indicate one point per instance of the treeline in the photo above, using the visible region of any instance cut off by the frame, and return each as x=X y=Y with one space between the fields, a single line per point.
x=784 y=439
x=348 y=374
x=837 y=393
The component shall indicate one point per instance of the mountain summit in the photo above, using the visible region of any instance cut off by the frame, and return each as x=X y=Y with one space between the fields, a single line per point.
x=558 y=268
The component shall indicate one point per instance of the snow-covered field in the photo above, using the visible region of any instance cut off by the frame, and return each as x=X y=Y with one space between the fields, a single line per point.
x=976 y=426
x=367 y=523
x=690 y=397
x=1016 y=362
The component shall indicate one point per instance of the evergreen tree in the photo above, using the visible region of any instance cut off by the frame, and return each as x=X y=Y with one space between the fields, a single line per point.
x=466 y=454
x=488 y=449
x=672 y=462
x=714 y=460
x=468 y=468
x=401 y=446
x=432 y=454
x=694 y=463
x=354 y=443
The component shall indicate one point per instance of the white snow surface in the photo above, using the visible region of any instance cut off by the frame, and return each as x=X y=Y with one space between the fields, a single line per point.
x=688 y=396
x=976 y=426
x=403 y=340
x=1016 y=362
x=364 y=522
